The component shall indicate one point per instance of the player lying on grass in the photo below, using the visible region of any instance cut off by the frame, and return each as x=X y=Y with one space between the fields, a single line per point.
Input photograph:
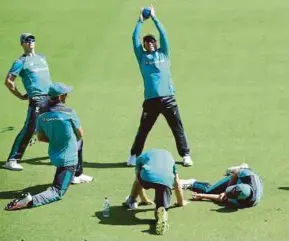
x=60 y=127
x=155 y=169
x=241 y=188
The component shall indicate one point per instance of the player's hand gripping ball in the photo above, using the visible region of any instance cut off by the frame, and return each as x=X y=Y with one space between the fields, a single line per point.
x=146 y=13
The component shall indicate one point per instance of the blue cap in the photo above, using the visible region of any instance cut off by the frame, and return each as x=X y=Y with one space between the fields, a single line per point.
x=58 y=89
x=239 y=191
x=24 y=36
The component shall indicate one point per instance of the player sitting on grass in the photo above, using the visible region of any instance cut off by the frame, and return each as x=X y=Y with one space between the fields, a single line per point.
x=241 y=188
x=60 y=127
x=155 y=169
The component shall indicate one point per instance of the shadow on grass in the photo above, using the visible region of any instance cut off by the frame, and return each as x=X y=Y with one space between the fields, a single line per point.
x=120 y=216
x=5 y=129
x=284 y=188
x=32 y=161
x=16 y=193
x=104 y=165
x=222 y=208
x=39 y=161
x=225 y=210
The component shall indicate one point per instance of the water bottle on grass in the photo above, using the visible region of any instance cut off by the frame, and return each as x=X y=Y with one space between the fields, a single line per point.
x=106 y=207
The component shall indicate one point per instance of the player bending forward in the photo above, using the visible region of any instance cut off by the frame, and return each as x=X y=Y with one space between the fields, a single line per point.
x=155 y=169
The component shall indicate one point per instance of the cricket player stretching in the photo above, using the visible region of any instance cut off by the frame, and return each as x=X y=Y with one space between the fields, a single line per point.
x=154 y=64
x=155 y=169
x=60 y=127
x=34 y=72
x=242 y=188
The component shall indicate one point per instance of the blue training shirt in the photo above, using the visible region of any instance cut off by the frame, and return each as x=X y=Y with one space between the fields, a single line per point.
x=34 y=72
x=157 y=166
x=59 y=125
x=154 y=66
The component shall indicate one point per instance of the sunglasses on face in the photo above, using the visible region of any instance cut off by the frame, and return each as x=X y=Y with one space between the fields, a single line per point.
x=29 y=40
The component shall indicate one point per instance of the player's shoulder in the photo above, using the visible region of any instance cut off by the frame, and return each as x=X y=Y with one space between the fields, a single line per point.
x=20 y=59
x=41 y=55
x=63 y=109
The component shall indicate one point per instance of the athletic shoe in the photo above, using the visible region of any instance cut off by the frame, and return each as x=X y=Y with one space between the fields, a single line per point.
x=12 y=165
x=234 y=168
x=81 y=179
x=131 y=161
x=162 y=221
x=187 y=161
x=22 y=202
x=187 y=184
x=130 y=203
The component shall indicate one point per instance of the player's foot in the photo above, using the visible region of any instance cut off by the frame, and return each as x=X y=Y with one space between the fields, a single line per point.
x=187 y=184
x=130 y=203
x=12 y=165
x=234 y=168
x=81 y=179
x=162 y=221
x=131 y=161
x=187 y=161
x=23 y=202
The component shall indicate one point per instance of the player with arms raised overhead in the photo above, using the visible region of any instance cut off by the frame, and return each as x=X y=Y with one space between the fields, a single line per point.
x=159 y=92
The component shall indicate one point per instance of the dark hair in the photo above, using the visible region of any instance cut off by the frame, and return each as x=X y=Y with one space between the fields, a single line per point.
x=54 y=100
x=149 y=37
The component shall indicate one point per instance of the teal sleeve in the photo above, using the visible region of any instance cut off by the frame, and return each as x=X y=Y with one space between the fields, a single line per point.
x=75 y=120
x=175 y=169
x=137 y=45
x=138 y=164
x=16 y=67
x=164 y=42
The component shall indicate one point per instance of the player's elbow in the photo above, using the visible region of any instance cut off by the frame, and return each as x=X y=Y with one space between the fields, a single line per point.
x=8 y=83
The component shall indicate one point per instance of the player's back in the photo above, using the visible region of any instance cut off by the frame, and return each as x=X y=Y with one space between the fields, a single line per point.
x=58 y=127
x=157 y=166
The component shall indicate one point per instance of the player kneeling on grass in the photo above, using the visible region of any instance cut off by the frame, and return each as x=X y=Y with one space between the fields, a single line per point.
x=241 y=188
x=155 y=169
x=60 y=127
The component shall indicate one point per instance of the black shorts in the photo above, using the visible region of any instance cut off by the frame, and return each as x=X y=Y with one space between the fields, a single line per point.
x=162 y=193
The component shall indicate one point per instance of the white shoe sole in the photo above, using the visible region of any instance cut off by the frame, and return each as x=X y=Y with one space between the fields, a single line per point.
x=232 y=169
x=188 y=164
x=162 y=224
x=11 y=168
x=81 y=181
x=130 y=164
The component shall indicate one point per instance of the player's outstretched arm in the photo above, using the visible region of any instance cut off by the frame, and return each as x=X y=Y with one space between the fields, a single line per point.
x=137 y=45
x=179 y=192
x=164 y=42
x=220 y=198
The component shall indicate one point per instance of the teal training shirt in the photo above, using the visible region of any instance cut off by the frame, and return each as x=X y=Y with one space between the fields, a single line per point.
x=155 y=66
x=157 y=166
x=247 y=176
x=34 y=73
x=59 y=125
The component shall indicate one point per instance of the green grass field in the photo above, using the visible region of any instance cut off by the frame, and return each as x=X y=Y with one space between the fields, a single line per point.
x=230 y=68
